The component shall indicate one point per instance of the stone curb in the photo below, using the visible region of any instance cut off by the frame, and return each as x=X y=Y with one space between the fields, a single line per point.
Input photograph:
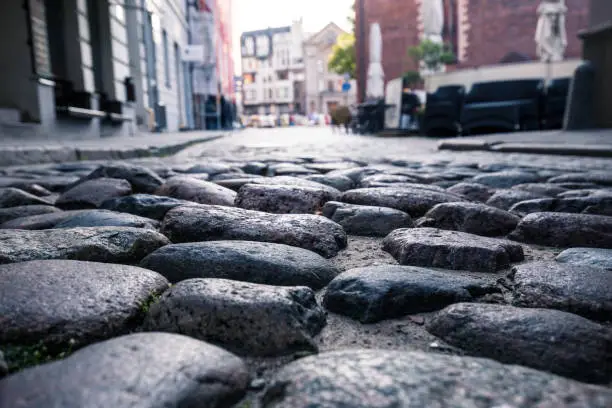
x=595 y=150
x=464 y=145
x=15 y=156
x=556 y=149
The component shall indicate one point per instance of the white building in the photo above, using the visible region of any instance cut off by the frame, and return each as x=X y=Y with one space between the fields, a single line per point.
x=273 y=70
x=166 y=85
x=92 y=68
x=324 y=89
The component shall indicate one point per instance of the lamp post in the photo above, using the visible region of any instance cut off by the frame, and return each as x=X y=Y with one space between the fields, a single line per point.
x=361 y=47
x=189 y=4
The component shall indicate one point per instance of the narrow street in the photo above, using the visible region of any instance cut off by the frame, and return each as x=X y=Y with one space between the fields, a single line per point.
x=306 y=257
x=323 y=144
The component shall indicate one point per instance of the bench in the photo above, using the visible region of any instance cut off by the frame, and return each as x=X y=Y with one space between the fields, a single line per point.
x=554 y=104
x=502 y=106
x=443 y=111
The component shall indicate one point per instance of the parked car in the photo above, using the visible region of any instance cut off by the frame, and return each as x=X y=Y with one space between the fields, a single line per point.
x=285 y=120
x=267 y=121
x=253 y=121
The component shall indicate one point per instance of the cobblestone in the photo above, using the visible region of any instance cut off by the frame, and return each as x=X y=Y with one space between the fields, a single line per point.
x=274 y=287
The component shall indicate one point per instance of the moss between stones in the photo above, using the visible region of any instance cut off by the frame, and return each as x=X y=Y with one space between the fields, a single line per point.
x=148 y=302
x=18 y=357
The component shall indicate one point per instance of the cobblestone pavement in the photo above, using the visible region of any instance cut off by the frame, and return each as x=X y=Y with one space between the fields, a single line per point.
x=303 y=268
x=323 y=144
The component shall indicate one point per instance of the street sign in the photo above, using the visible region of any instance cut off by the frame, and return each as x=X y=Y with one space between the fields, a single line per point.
x=193 y=53
x=346 y=87
x=347 y=77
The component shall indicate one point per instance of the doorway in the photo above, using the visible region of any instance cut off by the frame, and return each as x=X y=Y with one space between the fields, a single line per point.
x=179 y=94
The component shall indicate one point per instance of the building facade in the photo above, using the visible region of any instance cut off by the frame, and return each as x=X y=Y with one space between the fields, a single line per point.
x=481 y=32
x=165 y=89
x=211 y=65
x=83 y=69
x=225 y=60
x=597 y=39
x=324 y=89
x=273 y=70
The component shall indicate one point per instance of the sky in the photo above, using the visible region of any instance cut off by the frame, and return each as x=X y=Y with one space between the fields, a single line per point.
x=252 y=15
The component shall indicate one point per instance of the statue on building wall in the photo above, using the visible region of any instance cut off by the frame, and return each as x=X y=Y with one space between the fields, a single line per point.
x=432 y=12
x=551 y=35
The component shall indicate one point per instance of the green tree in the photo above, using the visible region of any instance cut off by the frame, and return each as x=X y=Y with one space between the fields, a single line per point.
x=433 y=56
x=413 y=78
x=343 y=59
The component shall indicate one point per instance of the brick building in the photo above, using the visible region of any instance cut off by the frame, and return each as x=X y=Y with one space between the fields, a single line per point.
x=481 y=32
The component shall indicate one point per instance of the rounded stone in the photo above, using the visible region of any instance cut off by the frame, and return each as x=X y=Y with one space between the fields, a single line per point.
x=105 y=218
x=246 y=318
x=326 y=167
x=13 y=197
x=33 y=188
x=247 y=261
x=214 y=223
x=97 y=244
x=232 y=176
x=366 y=220
x=144 y=369
x=54 y=183
x=282 y=199
x=356 y=174
x=92 y=193
x=597 y=177
x=10 y=213
x=595 y=257
x=41 y=221
x=532 y=206
x=505 y=199
x=280 y=169
x=473 y=218
x=506 y=179
x=294 y=182
x=472 y=191
x=142 y=179
x=212 y=168
x=415 y=200
x=431 y=247
x=548 y=340
x=565 y=230
x=144 y=205
x=544 y=189
x=376 y=293
x=383 y=378
x=61 y=302
x=341 y=183
x=199 y=191
x=385 y=180
x=583 y=290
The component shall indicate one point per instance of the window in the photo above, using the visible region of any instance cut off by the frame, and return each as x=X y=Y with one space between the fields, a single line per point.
x=248 y=79
x=166 y=58
x=120 y=12
x=283 y=75
x=320 y=66
x=286 y=95
x=330 y=86
x=270 y=94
